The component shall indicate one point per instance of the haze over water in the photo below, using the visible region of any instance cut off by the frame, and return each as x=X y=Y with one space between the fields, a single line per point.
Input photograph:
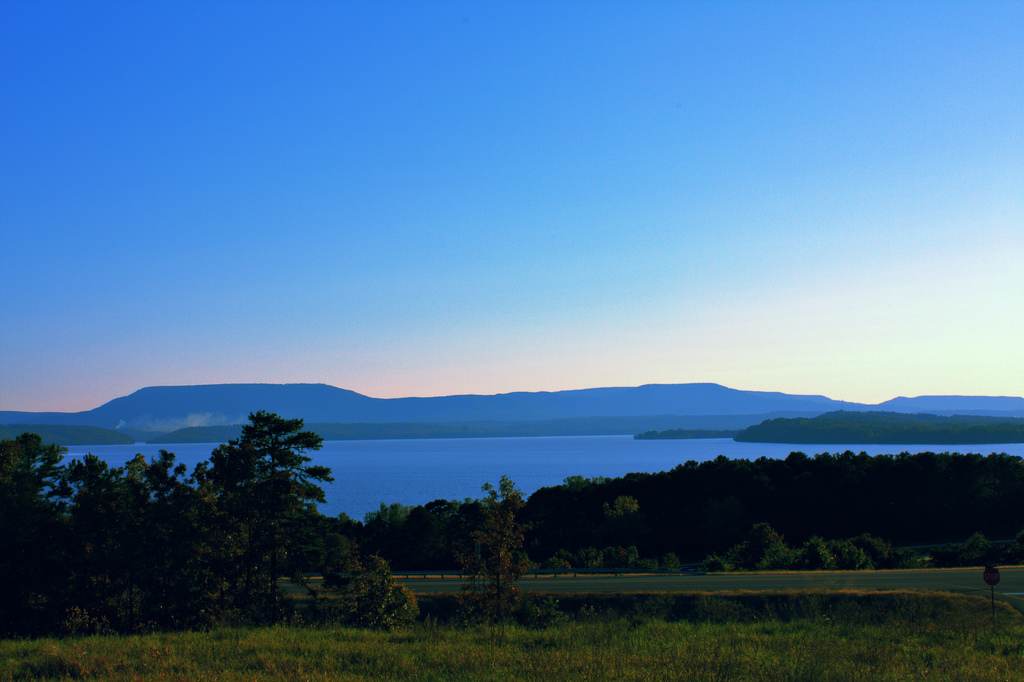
x=415 y=471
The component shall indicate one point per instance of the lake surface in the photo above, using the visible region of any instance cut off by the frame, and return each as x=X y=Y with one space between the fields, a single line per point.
x=415 y=471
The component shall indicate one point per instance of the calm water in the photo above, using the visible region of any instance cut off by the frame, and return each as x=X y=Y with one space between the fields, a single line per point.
x=369 y=472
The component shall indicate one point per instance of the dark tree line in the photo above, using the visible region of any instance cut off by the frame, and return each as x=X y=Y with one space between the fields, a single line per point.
x=89 y=547
x=149 y=545
x=764 y=548
x=699 y=508
x=86 y=547
x=885 y=427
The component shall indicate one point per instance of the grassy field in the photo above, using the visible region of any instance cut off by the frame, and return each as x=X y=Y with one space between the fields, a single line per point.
x=631 y=629
x=963 y=649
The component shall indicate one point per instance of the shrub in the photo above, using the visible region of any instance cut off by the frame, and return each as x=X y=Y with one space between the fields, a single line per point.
x=815 y=554
x=589 y=557
x=542 y=613
x=670 y=562
x=849 y=556
x=905 y=558
x=373 y=599
x=764 y=548
x=777 y=555
x=620 y=557
x=78 y=621
x=557 y=564
x=877 y=550
x=716 y=563
x=1015 y=552
x=976 y=550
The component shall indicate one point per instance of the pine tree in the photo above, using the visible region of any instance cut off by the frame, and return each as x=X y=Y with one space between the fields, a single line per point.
x=265 y=487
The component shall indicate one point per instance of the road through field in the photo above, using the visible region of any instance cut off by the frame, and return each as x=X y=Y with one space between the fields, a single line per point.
x=1011 y=587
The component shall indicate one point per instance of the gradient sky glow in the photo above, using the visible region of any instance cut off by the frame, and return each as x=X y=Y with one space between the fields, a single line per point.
x=429 y=198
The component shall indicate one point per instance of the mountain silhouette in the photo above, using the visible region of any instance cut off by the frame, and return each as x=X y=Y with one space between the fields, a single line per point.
x=165 y=408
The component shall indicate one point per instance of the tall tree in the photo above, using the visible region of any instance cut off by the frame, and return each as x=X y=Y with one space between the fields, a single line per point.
x=31 y=534
x=266 y=488
x=173 y=567
x=498 y=560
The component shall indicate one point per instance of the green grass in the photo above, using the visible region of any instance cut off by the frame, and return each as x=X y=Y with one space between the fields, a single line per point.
x=587 y=651
x=946 y=645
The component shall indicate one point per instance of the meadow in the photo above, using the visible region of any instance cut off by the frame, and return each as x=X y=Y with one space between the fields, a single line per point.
x=901 y=636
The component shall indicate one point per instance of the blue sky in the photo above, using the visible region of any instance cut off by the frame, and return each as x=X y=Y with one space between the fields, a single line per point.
x=428 y=198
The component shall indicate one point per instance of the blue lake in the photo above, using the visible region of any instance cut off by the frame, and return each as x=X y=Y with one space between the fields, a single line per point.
x=412 y=471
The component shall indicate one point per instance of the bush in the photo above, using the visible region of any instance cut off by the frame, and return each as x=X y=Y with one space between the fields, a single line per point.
x=1015 y=552
x=714 y=563
x=557 y=564
x=78 y=621
x=373 y=599
x=849 y=556
x=976 y=551
x=620 y=557
x=561 y=561
x=815 y=554
x=764 y=548
x=878 y=551
x=776 y=556
x=905 y=558
x=542 y=613
x=588 y=557
x=670 y=562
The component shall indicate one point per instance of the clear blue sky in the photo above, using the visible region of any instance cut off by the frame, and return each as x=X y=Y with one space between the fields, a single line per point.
x=426 y=198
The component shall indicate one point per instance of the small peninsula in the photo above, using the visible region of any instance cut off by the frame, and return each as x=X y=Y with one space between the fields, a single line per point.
x=682 y=434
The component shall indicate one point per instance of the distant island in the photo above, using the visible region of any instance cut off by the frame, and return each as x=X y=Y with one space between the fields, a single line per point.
x=681 y=434
x=886 y=427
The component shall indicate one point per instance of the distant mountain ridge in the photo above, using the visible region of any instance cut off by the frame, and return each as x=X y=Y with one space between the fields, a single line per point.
x=167 y=408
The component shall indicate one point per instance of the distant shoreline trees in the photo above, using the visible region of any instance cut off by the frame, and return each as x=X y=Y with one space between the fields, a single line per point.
x=886 y=427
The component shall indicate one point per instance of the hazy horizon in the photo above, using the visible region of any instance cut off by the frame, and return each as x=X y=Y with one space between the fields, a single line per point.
x=815 y=198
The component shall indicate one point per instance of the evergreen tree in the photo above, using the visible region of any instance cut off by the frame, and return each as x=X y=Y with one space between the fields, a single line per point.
x=32 y=535
x=266 y=488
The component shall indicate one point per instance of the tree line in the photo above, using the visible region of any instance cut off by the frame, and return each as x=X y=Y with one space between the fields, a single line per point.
x=85 y=546
x=764 y=548
x=846 y=426
x=647 y=520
